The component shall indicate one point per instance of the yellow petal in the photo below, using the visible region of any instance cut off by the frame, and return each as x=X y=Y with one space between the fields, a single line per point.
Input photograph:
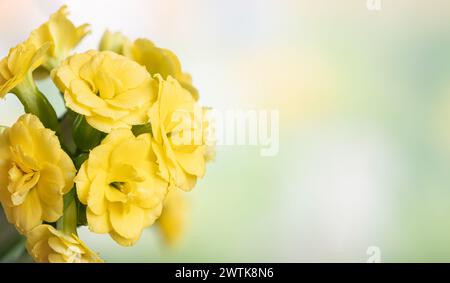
x=51 y=184
x=98 y=162
x=57 y=245
x=36 y=235
x=117 y=137
x=151 y=215
x=51 y=213
x=98 y=223
x=85 y=96
x=68 y=168
x=96 y=198
x=105 y=124
x=83 y=184
x=74 y=105
x=61 y=33
x=114 y=195
x=126 y=242
x=193 y=162
x=126 y=221
x=132 y=156
x=112 y=42
x=29 y=214
x=56 y=258
x=123 y=172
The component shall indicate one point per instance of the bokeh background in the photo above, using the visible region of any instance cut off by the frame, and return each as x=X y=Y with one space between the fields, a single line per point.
x=364 y=107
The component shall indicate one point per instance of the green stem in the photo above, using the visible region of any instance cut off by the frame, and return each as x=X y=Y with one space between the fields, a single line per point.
x=68 y=222
x=66 y=125
x=14 y=252
x=84 y=135
x=9 y=245
x=36 y=103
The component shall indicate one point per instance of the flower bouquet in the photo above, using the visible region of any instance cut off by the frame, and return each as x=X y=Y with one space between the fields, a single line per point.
x=132 y=139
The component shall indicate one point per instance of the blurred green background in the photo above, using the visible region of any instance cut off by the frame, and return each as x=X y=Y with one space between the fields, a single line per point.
x=364 y=107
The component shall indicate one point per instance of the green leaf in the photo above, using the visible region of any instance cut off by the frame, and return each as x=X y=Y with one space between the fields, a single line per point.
x=82 y=219
x=36 y=103
x=142 y=129
x=80 y=159
x=9 y=239
x=68 y=222
x=85 y=136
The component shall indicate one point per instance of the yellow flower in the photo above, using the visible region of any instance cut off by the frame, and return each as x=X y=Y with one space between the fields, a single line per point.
x=46 y=244
x=178 y=135
x=111 y=90
x=156 y=60
x=120 y=187
x=113 y=41
x=35 y=173
x=16 y=68
x=173 y=217
x=61 y=33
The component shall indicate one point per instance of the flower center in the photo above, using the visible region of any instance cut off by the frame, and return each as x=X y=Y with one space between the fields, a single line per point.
x=118 y=185
x=75 y=254
x=21 y=182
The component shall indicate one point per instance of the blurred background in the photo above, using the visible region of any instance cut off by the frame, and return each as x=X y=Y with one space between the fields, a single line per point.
x=364 y=103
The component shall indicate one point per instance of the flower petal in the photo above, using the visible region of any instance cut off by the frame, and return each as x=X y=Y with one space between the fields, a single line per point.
x=126 y=221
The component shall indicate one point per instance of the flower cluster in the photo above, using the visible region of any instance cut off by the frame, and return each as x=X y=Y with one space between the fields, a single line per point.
x=133 y=139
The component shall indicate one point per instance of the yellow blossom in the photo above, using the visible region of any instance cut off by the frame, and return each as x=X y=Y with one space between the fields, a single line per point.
x=177 y=127
x=173 y=219
x=17 y=67
x=46 y=244
x=120 y=186
x=157 y=60
x=35 y=173
x=61 y=33
x=113 y=41
x=111 y=90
